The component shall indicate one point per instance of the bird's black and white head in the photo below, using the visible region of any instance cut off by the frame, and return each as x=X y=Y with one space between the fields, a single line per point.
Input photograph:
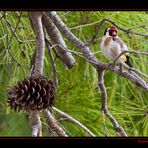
x=111 y=31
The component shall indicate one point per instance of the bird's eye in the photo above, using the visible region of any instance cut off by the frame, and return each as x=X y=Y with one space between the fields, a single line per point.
x=112 y=32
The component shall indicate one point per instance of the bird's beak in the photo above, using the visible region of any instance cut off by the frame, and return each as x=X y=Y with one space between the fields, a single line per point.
x=114 y=33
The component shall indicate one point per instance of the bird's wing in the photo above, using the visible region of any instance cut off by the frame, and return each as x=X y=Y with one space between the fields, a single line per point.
x=122 y=45
x=123 y=48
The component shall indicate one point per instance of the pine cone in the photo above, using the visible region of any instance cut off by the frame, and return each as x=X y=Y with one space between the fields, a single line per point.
x=34 y=93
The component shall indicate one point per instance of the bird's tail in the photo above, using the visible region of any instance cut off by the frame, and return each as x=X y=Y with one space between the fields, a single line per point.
x=125 y=61
x=128 y=61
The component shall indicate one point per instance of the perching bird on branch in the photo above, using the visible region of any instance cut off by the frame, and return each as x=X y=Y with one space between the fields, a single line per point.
x=112 y=45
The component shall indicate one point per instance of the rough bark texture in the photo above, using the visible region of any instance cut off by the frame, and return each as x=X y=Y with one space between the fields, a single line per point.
x=35 y=122
x=53 y=124
x=74 y=120
x=104 y=107
x=40 y=43
x=56 y=37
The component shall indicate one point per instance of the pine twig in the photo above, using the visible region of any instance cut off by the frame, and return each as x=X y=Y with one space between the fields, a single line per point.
x=128 y=31
x=55 y=77
x=130 y=51
x=73 y=120
x=132 y=68
x=3 y=37
x=104 y=107
x=8 y=40
x=53 y=124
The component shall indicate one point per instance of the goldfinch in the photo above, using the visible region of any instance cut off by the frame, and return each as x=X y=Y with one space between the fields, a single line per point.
x=112 y=45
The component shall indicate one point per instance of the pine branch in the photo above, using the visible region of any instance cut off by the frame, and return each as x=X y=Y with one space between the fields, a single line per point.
x=132 y=68
x=53 y=124
x=73 y=120
x=56 y=37
x=104 y=107
x=128 y=31
x=40 y=43
x=35 y=122
x=55 y=77
x=39 y=63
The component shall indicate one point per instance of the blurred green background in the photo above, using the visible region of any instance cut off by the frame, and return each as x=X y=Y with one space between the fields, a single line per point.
x=78 y=93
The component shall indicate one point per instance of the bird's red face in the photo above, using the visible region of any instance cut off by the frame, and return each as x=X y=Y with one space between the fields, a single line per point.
x=112 y=31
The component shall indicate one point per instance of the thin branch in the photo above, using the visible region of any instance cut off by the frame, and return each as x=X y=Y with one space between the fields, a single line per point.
x=52 y=47
x=73 y=120
x=66 y=130
x=53 y=124
x=139 y=26
x=3 y=37
x=132 y=68
x=2 y=16
x=84 y=25
x=80 y=55
x=15 y=29
x=104 y=107
x=96 y=52
x=55 y=77
x=19 y=27
x=16 y=36
x=128 y=31
x=138 y=72
x=136 y=80
x=96 y=33
x=130 y=51
x=8 y=42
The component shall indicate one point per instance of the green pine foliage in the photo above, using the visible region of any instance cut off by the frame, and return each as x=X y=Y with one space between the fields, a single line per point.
x=78 y=93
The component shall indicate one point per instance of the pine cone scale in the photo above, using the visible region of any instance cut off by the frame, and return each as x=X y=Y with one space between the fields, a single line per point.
x=32 y=90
